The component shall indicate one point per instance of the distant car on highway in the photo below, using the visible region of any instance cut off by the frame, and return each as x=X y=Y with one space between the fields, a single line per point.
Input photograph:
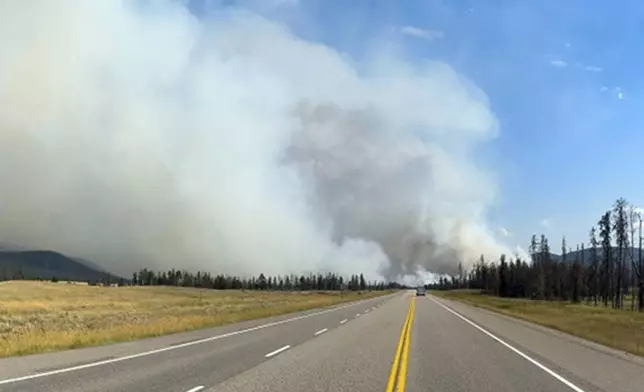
x=420 y=290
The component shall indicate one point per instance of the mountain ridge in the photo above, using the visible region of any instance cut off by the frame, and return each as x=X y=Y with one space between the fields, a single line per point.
x=50 y=265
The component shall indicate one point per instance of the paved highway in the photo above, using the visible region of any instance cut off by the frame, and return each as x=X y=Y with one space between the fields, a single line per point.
x=400 y=343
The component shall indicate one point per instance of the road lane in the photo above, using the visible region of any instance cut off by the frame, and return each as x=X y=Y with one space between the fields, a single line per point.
x=449 y=354
x=592 y=366
x=354 y=358
x=177 y=369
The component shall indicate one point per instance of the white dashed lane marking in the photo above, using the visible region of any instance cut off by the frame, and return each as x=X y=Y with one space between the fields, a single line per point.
x=279 y=350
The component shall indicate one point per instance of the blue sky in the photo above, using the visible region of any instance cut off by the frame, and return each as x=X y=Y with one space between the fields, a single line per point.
x=561 y=77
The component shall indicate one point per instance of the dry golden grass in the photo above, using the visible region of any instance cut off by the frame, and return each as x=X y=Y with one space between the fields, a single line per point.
x=620 y=329
x=42 y=316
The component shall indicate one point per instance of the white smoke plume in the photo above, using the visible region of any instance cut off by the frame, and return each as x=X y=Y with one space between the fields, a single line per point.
x=138 y=135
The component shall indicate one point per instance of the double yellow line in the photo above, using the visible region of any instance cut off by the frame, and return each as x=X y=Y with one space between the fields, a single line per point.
x=398 y=374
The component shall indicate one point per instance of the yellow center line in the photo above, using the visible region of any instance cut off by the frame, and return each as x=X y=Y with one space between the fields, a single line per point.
x=402 y=371
x=399 y=366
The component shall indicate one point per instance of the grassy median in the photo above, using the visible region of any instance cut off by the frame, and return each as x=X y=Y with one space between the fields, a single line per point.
x=620 y=329
x=43 y=316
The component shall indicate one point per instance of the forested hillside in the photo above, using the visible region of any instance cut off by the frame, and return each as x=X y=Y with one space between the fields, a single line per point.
x=49 y=265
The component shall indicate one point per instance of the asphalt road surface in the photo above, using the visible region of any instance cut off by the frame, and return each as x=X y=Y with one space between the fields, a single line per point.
x=395 y=343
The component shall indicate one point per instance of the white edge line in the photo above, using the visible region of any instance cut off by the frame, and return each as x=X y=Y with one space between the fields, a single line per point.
x=195 y=389
x=169 y=348
x=343 y=321
x=279 y=350
x=321 y=331
x=516 y=351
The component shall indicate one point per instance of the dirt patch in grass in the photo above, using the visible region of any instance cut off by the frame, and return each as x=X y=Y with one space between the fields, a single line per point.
x=620 y=329
x=43 y=316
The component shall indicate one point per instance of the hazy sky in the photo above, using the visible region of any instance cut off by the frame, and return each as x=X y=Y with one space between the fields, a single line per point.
x=383 y=137
x=561 y=77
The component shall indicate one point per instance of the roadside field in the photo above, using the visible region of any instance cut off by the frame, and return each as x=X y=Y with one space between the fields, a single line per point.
x=620 y=329
x=43 y=316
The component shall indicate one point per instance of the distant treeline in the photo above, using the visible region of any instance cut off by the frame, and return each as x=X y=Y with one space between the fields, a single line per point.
x=183 y=278
x=608 y=271
x=326 y=282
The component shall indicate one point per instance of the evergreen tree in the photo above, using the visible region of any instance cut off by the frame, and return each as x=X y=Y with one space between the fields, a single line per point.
x=575 y=272
x=503 y=277
x=261 y=282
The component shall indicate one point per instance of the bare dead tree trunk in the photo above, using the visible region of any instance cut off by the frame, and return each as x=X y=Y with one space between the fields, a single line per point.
x=631 y=249
x=640 y=272
x=620 y=226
